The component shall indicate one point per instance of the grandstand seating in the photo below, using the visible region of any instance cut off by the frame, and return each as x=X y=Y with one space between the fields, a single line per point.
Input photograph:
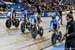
x=19 y=6
x=3 y=6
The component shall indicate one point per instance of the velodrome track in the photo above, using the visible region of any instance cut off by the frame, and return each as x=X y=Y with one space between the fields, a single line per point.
x=13 y=39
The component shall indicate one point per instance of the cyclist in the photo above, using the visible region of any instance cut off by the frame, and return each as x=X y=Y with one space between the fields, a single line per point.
x=34 y=19
x=24 y=14
x=12 y=14
x=54 y=24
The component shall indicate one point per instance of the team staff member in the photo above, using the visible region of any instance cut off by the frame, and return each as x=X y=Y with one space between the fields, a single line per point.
x=70 y=33
x=60 y=15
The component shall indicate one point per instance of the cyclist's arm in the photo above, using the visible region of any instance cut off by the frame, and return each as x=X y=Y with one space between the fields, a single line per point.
x=22 y=15
x=57 y=22
x=51 y=25
x=30 y=19
x=8 y=14
x=36 y=20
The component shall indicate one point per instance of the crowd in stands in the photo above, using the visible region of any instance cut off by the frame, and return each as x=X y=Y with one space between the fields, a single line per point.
x=2 y=5
x=44 y=5
x=48 y=5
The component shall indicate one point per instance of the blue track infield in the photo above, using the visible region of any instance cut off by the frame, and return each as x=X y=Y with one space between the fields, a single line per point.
x=59 y=47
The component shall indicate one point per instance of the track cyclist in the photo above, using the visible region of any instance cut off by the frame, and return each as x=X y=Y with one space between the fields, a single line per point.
x=54 y=24
x=34 y=19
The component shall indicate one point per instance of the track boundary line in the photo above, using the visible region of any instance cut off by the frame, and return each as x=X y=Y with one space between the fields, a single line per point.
x=53 y=46
x=32 y=44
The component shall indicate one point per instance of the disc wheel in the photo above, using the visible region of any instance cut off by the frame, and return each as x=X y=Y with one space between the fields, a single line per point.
x=8 y=23
x=34 y=32
x=16 y=23
x=41 y=31
x=23 y=27
x=54 y=38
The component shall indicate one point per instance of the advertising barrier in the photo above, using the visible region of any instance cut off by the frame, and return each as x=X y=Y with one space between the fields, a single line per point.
x=45 y=14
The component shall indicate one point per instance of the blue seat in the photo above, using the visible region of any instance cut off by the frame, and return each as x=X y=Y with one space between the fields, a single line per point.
x=19 y=6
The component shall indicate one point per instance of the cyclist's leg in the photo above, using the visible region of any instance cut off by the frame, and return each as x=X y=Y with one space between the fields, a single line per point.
x=54 y=27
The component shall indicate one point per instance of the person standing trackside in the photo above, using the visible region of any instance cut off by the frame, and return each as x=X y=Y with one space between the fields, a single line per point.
x=60 y=15
x=70 y=33
x=71 y=12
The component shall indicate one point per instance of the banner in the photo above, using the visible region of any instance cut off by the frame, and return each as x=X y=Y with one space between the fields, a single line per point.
x=46 y=14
